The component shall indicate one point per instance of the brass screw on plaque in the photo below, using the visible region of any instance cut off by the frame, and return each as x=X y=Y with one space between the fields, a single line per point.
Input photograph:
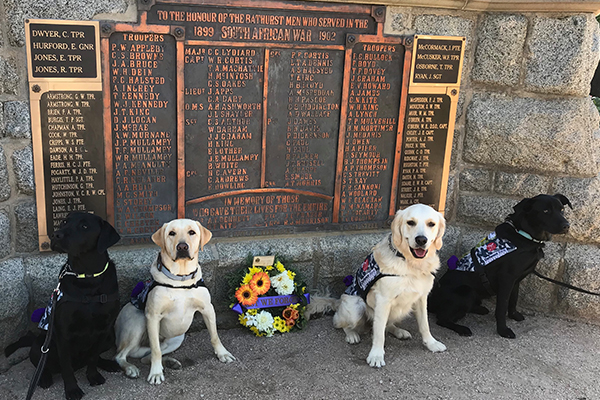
x=453 y=92
x=409 y=41
x=351 y=39
x=106 y=28
x=178 y=32
x=45 y=245
x=144 y=1
x=379 y=12
x=36 y=88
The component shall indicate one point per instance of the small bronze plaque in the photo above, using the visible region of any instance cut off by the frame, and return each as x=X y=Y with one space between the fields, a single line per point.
x=62 y=51
x=438 y=61
x=423 y=145
x=73 y=154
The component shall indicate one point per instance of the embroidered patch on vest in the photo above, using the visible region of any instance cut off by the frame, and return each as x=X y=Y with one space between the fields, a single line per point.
x=364 y=277
x=139 y=299
x=488 y=250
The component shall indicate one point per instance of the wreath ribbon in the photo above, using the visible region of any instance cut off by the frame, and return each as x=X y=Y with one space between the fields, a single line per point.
x=273 y=301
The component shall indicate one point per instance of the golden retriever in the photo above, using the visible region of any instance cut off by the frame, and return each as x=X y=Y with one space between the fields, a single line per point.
x=407 y=260
x=171 y=301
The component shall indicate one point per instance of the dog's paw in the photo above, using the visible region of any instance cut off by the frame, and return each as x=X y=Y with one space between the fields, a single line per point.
x=401 y=334
x=74 y=393
x=45 y=380
x=108 y=365
x=375 y=358
x=156 y=378
x=131 y=371
x=515 y=315
x=480 y=310
x=352 y=337
x=463 y=330
x=507 y=333
x=95 y=378
x=171 y=363
x=225 y=357
x=435 y=346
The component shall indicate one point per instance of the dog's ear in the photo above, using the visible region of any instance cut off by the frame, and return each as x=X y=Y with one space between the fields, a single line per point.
x=158 y=237
x=438 y=242
x=396 y=225
x=108 y=237
x=205 y=235
x=563 y=199
x=523 y=206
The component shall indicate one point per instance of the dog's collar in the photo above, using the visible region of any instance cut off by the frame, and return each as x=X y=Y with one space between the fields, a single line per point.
x=522 y=232
x=393 y=248
x=67 y=271
x=162 y=268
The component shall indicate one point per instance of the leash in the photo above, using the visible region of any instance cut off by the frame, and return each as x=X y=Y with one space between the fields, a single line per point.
x=564 y=284
x=42 y=363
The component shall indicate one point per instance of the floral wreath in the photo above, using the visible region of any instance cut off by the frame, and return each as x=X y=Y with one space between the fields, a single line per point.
x=275 y=287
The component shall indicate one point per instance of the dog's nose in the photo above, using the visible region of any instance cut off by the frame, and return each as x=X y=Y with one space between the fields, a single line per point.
x=421 y=240
x=565 y=228
x=182 y=247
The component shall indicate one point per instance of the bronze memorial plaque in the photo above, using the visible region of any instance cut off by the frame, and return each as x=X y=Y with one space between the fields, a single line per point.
x=253 y=118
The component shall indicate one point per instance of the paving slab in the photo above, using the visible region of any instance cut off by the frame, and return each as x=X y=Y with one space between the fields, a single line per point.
x=550 y=359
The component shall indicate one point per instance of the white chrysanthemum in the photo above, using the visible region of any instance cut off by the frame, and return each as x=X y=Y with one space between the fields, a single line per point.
x=287 y=287
x=264 y=321
x=283 y=284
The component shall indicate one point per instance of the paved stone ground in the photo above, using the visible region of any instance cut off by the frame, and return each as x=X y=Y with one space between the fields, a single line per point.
x=550 y=359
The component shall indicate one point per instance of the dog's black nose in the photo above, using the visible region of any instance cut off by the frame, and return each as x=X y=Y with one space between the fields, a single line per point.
x=565 y=228
x=421 y=240
x=182 y=247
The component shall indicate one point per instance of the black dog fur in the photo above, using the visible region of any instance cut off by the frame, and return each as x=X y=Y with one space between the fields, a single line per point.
x=460 y=292
x=82 y=330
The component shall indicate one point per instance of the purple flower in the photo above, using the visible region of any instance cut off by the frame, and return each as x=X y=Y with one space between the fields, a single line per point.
x=452 y=261
x=348 y=280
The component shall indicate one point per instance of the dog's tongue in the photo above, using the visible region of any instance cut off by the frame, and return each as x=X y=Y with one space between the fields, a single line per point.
x=420 y=252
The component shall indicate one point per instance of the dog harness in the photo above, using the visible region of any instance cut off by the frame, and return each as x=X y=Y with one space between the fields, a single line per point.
x=67 y=271
x=139 y=296
x=488 y=250
x=368 y=274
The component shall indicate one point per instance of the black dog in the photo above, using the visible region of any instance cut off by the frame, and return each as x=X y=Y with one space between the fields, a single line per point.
x=498 y=265
x=85 y=313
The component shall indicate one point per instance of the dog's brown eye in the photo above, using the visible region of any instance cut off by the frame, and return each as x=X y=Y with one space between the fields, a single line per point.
x=172 y=233
x=431 y=224
x=411 y=223
x=191 y=233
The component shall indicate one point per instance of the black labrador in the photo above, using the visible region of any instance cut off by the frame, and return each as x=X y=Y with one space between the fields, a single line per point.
x=498 y=264
x=88 y=305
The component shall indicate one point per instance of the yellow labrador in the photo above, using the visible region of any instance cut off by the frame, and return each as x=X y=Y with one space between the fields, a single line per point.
x=172 y=298
x=394 y=280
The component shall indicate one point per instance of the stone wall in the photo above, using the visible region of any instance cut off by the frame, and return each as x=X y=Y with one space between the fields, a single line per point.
x=525 y=125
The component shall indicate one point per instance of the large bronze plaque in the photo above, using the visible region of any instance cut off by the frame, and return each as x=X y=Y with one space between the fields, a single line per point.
x=259 y=118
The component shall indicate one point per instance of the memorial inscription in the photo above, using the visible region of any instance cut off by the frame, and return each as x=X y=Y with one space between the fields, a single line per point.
x=276 y=118
x=144 y=137
x=73 y=157
x=62 y=51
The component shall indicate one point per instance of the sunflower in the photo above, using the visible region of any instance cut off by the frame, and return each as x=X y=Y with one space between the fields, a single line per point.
x=260 y=283
x=246 y=296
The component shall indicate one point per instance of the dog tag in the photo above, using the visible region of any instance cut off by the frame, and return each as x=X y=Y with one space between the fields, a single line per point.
x=263 y=261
